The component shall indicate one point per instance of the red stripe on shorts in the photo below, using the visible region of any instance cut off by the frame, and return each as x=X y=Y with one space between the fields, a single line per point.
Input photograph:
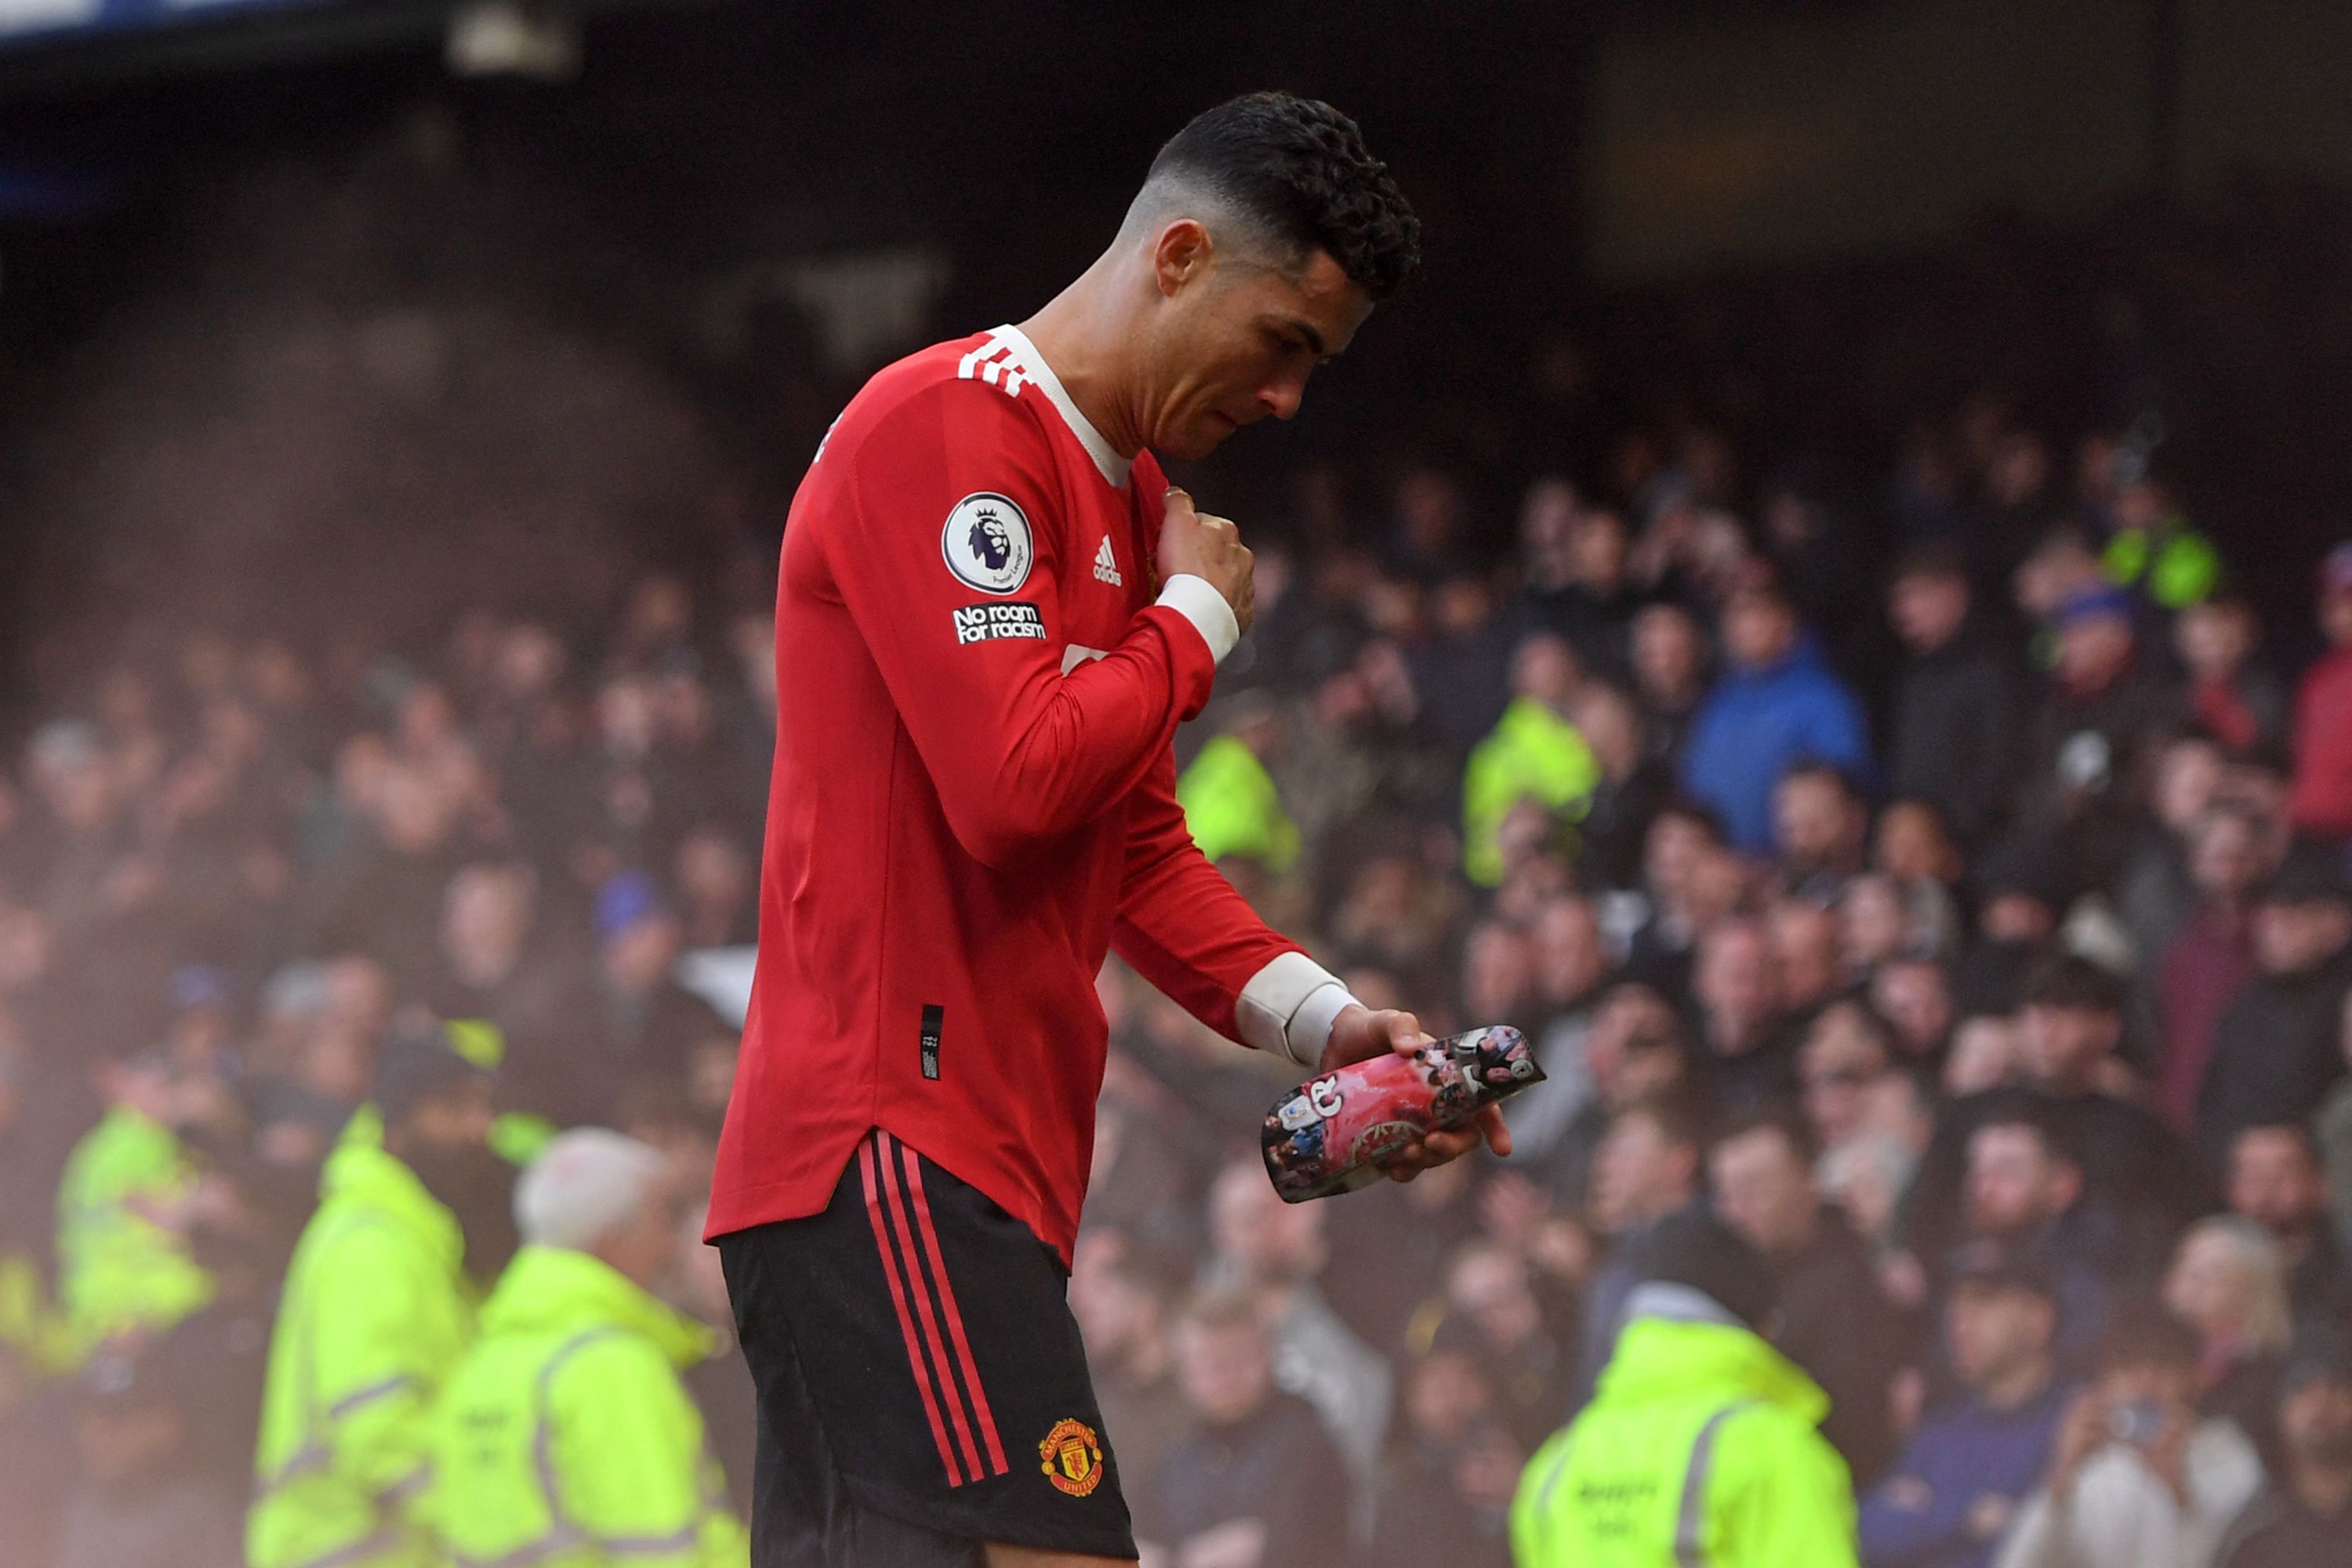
x=867 y=1164
x=884 y=1145
x=955 y=1318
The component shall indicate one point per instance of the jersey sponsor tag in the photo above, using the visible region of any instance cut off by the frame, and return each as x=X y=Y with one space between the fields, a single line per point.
x=986 y=542
x=986 y=623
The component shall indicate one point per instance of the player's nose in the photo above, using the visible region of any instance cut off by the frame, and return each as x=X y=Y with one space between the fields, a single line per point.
x=1282 y=398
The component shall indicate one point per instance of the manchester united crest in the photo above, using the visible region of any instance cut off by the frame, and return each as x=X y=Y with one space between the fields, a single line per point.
x=1072 y=1459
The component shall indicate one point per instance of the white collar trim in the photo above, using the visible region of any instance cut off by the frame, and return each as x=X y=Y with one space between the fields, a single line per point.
x=1107 y=457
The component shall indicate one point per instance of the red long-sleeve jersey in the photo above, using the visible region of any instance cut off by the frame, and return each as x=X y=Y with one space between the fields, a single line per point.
x=974 y=799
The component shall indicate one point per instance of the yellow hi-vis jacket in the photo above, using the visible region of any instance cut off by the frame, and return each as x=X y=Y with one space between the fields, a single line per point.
x=564 y=1438
x=1698 y=1451
x=375 y=1313
x=117 y=1269
x=1532 y=754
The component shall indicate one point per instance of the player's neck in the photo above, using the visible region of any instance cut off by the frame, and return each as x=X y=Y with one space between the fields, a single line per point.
x=1085 y=334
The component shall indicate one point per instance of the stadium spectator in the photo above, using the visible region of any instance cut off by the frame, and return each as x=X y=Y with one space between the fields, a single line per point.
x=126 y=1198
x=1747 y=1051
x=2301 y=1516
x=1834 y=1322
x=2025 y=1197
x=2209 y=960
x=1123 y=1301
x=564 y=1426
x=2275 y=1180
x=1446 y=1483
x=1953 y=715
x=1820 y=832
x=2231 y=694
x=1492 y=1310
x=1647 y=1168
x=2275 y=1051
x=1844 y=1057
x=2138 y=1478
x=2323 y=712
x=139 y=1498
x=376 y=1313
x=2103 y=707
x=2229 y=1281
x=1670 y=675
x=1955 y=1489
x=1693 y=1382
x=1275 y=1252
x=1534 y=753
x=2132 y=1164
x=1254 y=1482
x=1777 y=705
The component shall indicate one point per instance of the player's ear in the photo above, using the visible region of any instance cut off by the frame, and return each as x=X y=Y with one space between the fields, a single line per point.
x=1181 y=254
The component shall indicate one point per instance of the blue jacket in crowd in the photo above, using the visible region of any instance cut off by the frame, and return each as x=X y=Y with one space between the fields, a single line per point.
x=1758 y=723
x=1964 y=1472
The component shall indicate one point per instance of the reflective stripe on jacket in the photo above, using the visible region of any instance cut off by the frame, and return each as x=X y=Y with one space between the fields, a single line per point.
x=564 y=1437
x=375 y=1313
x=1699 y=1451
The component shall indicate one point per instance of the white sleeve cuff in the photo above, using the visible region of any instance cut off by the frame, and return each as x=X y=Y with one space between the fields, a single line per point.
x=1198 y=601
x=1287 y=1008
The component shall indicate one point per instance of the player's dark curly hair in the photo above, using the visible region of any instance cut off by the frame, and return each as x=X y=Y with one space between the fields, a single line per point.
x=1299 y=167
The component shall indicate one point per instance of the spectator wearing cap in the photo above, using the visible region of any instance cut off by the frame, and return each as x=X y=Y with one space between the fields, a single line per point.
x=566 y=1428
x=1954 y=713
x=2139 y=1480
x=2275 y=1049
x=647 y=1022
x=2303 y=1517
x=1702 y=1444
x=1777 y=705
x=2133 y=1164
x=2101 y=704
x=2321 y=802
x=139 y=1497
x=375 y=1313
x=1957 y=1484
x=1835 y=1320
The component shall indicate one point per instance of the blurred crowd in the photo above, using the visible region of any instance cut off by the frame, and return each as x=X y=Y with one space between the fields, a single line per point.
x=1953 y=901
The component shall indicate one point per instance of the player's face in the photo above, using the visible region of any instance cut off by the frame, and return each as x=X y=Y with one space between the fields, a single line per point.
x=1241 y=339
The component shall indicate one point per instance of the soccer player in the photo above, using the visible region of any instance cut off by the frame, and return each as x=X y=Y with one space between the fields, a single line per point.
x=992 y=613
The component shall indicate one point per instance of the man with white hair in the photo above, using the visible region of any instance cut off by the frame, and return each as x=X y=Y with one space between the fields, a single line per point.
x=565 y=1433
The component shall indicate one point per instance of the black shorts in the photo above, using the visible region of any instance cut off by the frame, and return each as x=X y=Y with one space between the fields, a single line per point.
x=922 y=1383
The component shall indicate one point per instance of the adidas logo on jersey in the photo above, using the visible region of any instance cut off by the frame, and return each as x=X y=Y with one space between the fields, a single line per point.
x=1107 y=566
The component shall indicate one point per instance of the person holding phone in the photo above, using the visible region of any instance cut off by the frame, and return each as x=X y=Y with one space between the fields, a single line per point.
x=2137 y=1479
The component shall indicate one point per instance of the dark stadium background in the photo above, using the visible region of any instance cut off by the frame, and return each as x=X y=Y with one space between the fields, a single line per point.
x=1987 y=225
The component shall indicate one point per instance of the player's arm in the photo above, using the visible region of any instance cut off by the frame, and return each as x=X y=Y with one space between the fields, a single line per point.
x=966 y=628
x=1185 y=930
